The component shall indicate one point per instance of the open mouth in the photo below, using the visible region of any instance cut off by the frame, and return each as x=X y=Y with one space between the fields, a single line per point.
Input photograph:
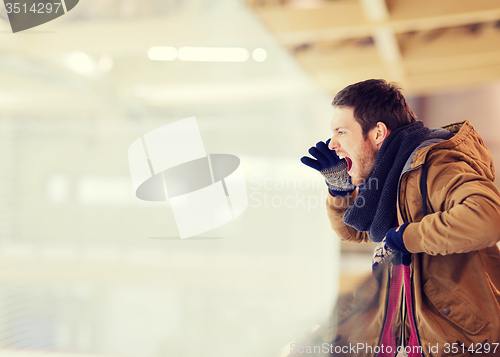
x=349 y=163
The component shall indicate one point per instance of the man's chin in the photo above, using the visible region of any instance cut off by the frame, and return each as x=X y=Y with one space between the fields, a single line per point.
x=358 y=181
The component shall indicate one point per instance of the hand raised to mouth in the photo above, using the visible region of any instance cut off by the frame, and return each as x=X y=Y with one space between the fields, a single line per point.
x=332 y=167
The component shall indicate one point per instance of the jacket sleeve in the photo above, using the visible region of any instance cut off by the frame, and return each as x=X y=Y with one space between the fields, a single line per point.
x=465 y=209
x=335 y=208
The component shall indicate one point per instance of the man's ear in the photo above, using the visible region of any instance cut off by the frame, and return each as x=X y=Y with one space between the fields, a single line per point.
x=379 y=133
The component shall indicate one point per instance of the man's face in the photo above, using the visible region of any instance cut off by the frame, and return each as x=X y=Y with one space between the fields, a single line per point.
x=348 y=142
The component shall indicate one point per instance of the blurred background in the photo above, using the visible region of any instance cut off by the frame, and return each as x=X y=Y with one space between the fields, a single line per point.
x=88 y=269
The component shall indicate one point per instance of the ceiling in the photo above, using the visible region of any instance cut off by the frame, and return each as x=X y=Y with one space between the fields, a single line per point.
x=108 y=40
x=425 y=45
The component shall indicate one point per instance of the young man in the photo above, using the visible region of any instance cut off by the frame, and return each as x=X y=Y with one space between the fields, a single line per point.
x=428 y=197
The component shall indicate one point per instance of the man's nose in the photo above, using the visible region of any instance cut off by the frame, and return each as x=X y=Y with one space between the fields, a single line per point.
x=333 y=144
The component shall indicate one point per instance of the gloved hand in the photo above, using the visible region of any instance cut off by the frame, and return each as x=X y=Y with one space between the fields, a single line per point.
x=394 y=240
x=382 y=254
x=331 y=167
x=392 y=246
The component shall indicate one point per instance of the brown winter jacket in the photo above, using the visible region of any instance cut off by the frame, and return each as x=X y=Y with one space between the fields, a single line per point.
x=455 y=261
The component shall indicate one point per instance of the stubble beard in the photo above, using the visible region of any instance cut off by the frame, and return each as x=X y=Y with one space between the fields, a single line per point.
x=367 y=167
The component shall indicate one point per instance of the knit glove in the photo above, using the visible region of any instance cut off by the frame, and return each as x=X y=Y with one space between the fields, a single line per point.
x=333 y=169
x=392 y=246
x=394 y=239
x=382 y=254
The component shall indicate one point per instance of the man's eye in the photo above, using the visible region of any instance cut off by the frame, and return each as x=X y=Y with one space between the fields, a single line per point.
x=341 y=133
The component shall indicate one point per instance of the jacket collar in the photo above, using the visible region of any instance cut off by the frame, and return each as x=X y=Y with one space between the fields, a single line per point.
x=461 y=130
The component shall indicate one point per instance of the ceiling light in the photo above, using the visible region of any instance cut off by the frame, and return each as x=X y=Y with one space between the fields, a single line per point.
x=81 y=63
x=213 y=54
x=162 y=53
x=259 y=55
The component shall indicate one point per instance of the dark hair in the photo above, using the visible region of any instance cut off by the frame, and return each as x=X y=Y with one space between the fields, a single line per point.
x=373 y=101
